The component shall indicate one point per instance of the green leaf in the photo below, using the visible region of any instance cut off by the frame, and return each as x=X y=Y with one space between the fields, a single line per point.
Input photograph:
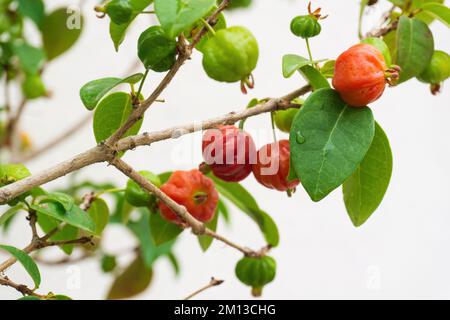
x=9 y=213
x=177 y=16
x=111 y=113
x=33 y=9
x=92 y=92
x=328 y=141
x=223 y=210
x=327 y=70
x=12 y=172
x=134 y=280
x=314 y=77
x=64 y=199
x=149 y=250
x=66 y=233
x=174 y=263
x=99 y=212
x=108 y=263
x=240 y=197
x=118 y=31
x=365 y=189
x=293 y=62
x=29 y=298
x=56 y=35
x=426 y=17
x=75 y=217
x=415 y=47
x=26 y=261
x=437 y=11
x=163 y=231
x=31 y=58
x=382 y=46
x=206 y=241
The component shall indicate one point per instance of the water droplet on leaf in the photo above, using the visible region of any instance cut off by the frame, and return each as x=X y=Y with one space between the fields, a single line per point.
x=300 y=138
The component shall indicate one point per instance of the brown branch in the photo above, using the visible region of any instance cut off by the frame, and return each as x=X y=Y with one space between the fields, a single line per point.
x=198 y=228
x=23 y=289
x=103 y=152
x=213 y=283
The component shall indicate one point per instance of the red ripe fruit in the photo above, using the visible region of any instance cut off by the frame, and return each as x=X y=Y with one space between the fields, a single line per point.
x=272 y=167
x=359 y=75
x=192 y=190
x=229 y=152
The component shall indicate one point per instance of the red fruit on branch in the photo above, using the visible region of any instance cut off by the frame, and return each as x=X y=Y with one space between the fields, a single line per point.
x=229 y=152
x=192 y=190
x=272 y=167
x=361 y=75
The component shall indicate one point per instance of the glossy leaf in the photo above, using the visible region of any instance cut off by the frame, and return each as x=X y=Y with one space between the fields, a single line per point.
x=438 y=11
x=314 y=77
x=92 y=92
x=75 y=217
x=58 y=35
x=177 y=16
x=328 y=141
x=240 y=197
x=64 y=199
x=26 y=261
x=99 y=212
x=293 y=62
x=33 y=9
x=382 y=46
x=163 y=231
x=426 y=17
x=31 y=58
x=111 y=113
x=365 y=189
x=118 y=31
x=206 y=241
x=134 y=280
x=415 y=46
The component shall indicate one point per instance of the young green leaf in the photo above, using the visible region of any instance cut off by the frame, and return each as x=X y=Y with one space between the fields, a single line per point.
x=293 y=62
x=99 y=212
x=35 y=10
x=314 y=77
x=328 y=141
x=426 y=17
x=162 y=230
x=415 y=47
x=92 y=92
x=240 y=197
x=134 y=280
x=9 y=213
x=58 y=35
x=437 y=11
x=111 y=113
x=206 y=241
x=177 y=16
x=118 y=31
x=382 y=46
x=26 y=261
x=75 y=217
x=31 y=58
x=12 y=172
x=365 y=189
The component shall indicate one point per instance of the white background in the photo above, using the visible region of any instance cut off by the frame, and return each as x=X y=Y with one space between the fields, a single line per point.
x=403 y=251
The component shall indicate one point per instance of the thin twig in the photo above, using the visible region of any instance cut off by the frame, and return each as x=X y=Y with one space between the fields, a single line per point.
x=26 y=291
x=213 y=283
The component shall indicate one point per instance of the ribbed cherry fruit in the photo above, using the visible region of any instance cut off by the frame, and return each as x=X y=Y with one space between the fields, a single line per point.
x=361 y=75
x=272 y=167
x=192 y=190
x=229 y=152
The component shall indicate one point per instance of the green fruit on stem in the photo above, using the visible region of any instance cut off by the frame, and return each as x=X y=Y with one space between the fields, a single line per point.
x=231 y=55
x=33 y=87
x=437 y=71
x=305 y=26
x=256 y=272
x=283 y=119
x=120 y=11
x=138 y=197
x=156 y=49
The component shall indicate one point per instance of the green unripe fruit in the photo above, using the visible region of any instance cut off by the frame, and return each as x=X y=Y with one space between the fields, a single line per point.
x=33 y=87
x=231 y=55
x=256 y=272
x=305 y=26
x=138 y=197
x=283 y=119
x=438 y=70
x=120 y=11
x=156 y=49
